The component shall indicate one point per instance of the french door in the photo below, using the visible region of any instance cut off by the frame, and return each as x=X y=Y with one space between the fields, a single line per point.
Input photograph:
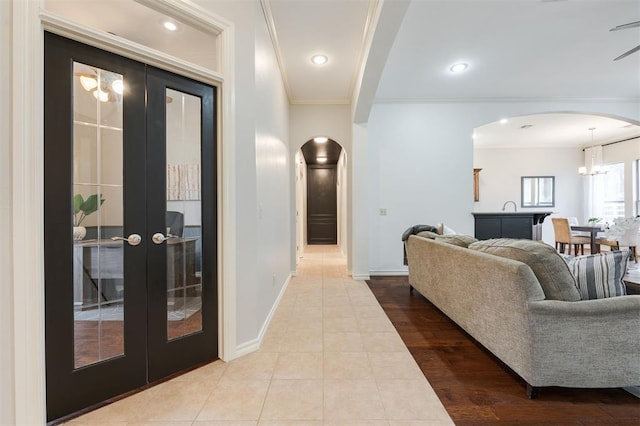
x=130 y=225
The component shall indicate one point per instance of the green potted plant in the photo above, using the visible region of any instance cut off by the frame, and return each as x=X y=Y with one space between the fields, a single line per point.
x=81 y=209
x=592 y=221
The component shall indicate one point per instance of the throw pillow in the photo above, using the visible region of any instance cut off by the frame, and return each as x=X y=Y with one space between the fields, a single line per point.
x=552 y=271
x=427 y=234
x=600 y=275
x=457 y=240
x=445 y=230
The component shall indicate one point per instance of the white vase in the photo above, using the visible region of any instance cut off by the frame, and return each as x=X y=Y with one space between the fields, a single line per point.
x=79 y=232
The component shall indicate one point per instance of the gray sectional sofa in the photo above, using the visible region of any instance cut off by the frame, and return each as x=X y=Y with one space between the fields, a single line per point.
x=500 y=302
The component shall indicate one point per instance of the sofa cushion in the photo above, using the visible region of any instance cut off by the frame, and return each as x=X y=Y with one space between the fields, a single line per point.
x=457 y=239
x=600 y=275
x=550 y=269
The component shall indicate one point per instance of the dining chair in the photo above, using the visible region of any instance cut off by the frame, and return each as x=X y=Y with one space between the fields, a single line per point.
x=574 y=221
x=623 y=233
x=563 y=236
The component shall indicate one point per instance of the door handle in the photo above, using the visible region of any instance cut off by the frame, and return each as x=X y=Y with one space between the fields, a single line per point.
x=133 y=239
x=159 y=237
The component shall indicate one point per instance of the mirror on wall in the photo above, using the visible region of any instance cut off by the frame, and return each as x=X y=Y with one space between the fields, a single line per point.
x=538 y=191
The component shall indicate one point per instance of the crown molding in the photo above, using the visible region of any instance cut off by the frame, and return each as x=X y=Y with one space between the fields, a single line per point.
x=66 y=28
x=189 y=13
x=273 y=34
x=320 y=102
x=629 y=99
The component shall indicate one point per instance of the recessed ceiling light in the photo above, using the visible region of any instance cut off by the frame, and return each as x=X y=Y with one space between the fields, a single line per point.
x=321 y=159
x=169 y=25
x=459 y=67
x=320 y=139
x=319 y=59
x=503 y=121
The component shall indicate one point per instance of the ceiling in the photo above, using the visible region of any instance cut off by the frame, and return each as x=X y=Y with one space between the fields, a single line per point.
x=517 y=50
x=525 y=50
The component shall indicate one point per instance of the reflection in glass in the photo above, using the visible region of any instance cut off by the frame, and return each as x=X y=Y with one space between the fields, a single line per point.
x=183 y=217
x=97 y=215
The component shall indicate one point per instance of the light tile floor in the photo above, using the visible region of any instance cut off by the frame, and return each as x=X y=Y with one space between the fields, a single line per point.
x=330 y=357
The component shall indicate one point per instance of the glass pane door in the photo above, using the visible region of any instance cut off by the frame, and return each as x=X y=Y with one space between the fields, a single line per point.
x=183 y=214
x=130 y=225
x=181 y=217
x=95 y=225
x=97 y=205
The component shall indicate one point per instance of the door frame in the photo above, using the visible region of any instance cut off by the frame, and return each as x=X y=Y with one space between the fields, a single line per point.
x=26 y=396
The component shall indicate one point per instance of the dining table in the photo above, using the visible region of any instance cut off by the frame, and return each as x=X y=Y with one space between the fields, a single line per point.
x=593 y=232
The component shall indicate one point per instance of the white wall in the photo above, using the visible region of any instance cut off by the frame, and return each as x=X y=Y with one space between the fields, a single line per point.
x=502 y=169
x=273 y=178
x=301 y=204
x=333 y=121
x=260 y=148
x=625 y=152
x=7 y=366
x=343 y=228
x=362 y=190
x=421 y=167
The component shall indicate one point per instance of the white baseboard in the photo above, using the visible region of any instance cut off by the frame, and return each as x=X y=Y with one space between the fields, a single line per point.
x=360 y=277
x=390 y=272
x=254 y=344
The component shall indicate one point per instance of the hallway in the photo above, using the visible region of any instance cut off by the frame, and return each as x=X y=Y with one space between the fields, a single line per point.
x=330 y=356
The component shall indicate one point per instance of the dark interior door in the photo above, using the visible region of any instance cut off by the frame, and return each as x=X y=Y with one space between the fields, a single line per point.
x=130 y=225
x=181 y=165
x=322 y=204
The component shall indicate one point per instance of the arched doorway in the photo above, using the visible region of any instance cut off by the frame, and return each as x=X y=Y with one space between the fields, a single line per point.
x=553 y=144
x=321 y=193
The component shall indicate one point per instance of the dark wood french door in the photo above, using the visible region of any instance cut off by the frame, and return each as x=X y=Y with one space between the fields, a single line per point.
x=130 y=225
x=322 y=202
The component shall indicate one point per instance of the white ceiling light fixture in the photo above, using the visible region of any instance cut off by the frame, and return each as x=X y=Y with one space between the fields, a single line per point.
x=319 y=59
x=101 y=95
x=321 y=139
x=504 y=121
x=170 y=26
x=88 y=82
x=459 y=67
x=321 y=159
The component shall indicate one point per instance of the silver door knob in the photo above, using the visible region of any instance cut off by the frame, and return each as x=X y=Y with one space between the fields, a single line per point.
x=133 y=239
x=159 y=237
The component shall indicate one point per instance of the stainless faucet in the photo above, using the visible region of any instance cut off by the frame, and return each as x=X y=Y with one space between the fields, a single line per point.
x=515 y=208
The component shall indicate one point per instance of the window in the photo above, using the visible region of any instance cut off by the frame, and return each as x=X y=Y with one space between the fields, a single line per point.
x=636 y=190
x=608 y=193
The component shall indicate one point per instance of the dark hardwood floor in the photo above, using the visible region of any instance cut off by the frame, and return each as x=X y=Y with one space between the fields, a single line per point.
x=478 y=389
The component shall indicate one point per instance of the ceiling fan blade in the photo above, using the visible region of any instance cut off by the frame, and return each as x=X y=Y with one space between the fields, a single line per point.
x=625 y=26
x=625 y=54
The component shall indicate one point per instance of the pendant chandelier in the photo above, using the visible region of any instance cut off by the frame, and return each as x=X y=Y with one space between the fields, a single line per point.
x=593 y=164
